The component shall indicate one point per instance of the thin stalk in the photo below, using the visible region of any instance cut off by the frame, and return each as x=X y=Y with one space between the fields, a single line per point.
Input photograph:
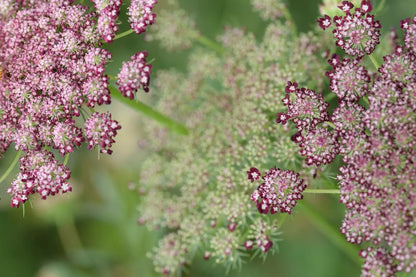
x=333 y=234
x=148 y=111
x=207 y=42
x=374 y=61
x=322 y=191
x=66 y=159
x=68 y=235
x=123 y=34
x=11 y=166
x=288 y=16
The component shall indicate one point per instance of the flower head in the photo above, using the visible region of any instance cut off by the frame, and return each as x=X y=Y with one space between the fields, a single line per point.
x=100 y=130
x=134 y=74
x=140 y=14
x=357 y=33
x=305 y=107
x=279 y=192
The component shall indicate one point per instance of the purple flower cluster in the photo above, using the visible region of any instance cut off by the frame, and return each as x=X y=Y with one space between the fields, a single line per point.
x=378 y=143
x=52 y=65
x=108 y=11
x=100 y=130
x=35 y=176
x=279 y=191
x=134 y=74
x=308 y=110
x=356 y=32
x=140 y=14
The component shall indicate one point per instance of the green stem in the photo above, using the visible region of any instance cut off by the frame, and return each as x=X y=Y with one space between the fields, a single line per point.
x=11 y=166
x=66 y=159
x=333 y=235
x=207 y=42
x=288 y=16
x=374 y=61
x=148 y=111
x=323 y=191
x=123 y=34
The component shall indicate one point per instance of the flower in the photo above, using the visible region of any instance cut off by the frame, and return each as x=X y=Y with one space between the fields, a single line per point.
x=51 y=65
x=357 y=33
x=134 y=74
x=348 y=79
x=140 y=14
x=279 y=192
x=307 y=110
x=35 y=177
x=100 y=130
x=108 y=11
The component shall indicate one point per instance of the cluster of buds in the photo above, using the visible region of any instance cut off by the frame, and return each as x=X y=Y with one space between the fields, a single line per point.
x=134 y=74
x=279 y=191
x=140 y=14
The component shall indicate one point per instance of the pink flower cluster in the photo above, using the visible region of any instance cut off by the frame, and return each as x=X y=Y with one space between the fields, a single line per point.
x=378 y=142
x=100 y=130
x=108 y=11
x=279 y=191
x=35 y=177
x=356 y=32
x=134 y=74
x=51 y=65
x=140 y=14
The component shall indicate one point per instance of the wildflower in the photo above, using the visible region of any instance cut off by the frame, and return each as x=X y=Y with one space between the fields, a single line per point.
x=349 y=80
x=51 y=64
x=279 y=192
x=100 y=130
x=35 y=177
x=108 y=11
x=307 y=110
x=134 y=74
x=357 y=33
x=140 y=14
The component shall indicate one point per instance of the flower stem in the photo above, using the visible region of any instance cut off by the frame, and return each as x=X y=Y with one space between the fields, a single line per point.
x=11 y=166
x=66 y=159
x=333 y=234
x=374 y=61
x=323 y=191
x=148 y=111
x=288 y=16
x=207 y=42
x=123 y=34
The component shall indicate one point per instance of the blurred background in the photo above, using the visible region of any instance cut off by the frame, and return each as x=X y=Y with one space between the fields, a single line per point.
x=93 y=231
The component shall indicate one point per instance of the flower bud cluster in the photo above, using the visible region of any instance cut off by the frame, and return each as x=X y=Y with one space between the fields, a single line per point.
x=279 y=191
x=108 y=11
x=196 y=184
x=140 y=14
x=357 y=33
x=134 y=74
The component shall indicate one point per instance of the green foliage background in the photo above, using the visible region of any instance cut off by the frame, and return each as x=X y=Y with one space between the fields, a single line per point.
x=93 y=230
